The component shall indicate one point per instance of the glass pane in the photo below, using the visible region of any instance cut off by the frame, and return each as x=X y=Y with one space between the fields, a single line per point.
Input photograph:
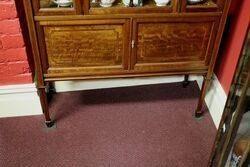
x=56 y=3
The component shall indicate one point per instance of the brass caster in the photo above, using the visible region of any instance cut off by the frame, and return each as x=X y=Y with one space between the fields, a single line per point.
x=185 y=84
x=49 y=124
x=198 y=115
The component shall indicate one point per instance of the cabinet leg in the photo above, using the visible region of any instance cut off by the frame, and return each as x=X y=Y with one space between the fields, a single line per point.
x=198 y=111
x=50 y=91
x=185 y=82
x=45 y=107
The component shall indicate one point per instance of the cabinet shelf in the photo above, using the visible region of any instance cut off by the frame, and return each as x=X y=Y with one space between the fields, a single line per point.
x=50 y=7
x=119 y=8
x=50 y=4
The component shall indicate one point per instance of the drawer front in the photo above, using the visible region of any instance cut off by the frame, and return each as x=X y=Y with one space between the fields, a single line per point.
x=81 y=48
x=172 y=45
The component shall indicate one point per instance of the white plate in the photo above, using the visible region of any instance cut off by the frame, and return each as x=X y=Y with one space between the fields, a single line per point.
x=63 y=3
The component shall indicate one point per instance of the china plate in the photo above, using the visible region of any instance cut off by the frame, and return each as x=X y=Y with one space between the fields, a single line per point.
x=63 y=3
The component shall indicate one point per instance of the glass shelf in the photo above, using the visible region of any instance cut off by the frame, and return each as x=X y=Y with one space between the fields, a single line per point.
x=55 y=7
x=93 y=7
x=118 y=7
x=119 y=3
x=55 y=4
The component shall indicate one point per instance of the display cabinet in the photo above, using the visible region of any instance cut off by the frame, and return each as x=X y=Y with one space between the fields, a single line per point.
x=82 y=39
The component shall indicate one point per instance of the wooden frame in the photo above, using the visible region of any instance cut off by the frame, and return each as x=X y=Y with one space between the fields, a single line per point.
x=236 y=105
x=124 y=22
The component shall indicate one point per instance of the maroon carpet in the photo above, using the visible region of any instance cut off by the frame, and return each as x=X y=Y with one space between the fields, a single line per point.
x=145 y=126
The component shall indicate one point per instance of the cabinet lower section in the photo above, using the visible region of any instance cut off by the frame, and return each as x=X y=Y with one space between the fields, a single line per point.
x=126 y=46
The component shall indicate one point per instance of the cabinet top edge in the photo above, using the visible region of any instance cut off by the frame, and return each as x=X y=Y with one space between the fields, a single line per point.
x=127 y=16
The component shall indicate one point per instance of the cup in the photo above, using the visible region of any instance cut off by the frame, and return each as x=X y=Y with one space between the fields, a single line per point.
x=107 y=3
x=161 y=2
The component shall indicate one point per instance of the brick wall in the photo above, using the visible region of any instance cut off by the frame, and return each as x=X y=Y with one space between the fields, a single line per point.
x=14 y=66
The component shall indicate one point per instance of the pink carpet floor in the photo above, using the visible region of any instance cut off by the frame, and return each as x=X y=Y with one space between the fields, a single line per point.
x=144 y=126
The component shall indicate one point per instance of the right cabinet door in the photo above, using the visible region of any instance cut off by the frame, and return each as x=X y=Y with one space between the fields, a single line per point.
x=173 y=44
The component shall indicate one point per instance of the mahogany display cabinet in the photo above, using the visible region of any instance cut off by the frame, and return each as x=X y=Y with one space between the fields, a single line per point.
x=87 y=41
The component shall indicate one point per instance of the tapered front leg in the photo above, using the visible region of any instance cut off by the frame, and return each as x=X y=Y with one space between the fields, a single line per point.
x=199 y=112
x=45 y=107
x=186 y=81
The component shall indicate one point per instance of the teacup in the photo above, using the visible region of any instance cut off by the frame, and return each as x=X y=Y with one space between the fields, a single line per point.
x=64 y=3
x=107 y=3
x=161 y=2
x=135 y=2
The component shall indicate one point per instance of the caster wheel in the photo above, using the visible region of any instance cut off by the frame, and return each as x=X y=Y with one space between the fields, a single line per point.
x=49 y=124
x=185 y=84
x=198 y=114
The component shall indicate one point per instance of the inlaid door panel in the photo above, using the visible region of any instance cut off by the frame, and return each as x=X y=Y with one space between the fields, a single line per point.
x=86 y=49
x=167 y=44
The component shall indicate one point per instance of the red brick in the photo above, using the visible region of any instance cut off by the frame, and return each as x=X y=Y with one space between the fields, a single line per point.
x=7 y=10
x=14 y=68
x=12 y=41
x=10 y=27
x=18 y=79
x=1 y=46
x=12 y=55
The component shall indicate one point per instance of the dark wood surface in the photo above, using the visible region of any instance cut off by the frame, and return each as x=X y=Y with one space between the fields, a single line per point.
x=90 y=42
x=236 y=105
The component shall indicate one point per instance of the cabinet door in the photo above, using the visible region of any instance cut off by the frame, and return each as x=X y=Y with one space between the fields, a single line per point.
x=172 y=44
x=85 y=47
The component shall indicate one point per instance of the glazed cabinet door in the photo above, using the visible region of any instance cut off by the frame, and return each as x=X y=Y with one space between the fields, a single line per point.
x=84 y=47
x=172 y=44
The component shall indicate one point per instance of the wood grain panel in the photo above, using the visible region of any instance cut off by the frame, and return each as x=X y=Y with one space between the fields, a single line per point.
x=86 y=48
x=162 y=43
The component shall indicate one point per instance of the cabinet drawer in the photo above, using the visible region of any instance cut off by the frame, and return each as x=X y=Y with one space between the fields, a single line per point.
x=170 y=44
x=77 y=47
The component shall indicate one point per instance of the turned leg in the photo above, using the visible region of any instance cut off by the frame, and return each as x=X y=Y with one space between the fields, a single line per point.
x=198 y=111
x=185 y=82
x=45 y=107
x=50 y=90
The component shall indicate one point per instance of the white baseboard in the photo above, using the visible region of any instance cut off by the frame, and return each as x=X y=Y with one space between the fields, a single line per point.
x=65 y=86
x=19 y=100
x=23 y=100
x=215 y=99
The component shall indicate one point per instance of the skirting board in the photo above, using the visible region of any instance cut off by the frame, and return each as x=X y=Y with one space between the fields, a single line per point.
x=65 y=86
x=215 y=99
x=19 y=100
x=26 y=100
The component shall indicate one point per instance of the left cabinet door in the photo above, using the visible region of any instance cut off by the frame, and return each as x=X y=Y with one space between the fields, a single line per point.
x=84 y=47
